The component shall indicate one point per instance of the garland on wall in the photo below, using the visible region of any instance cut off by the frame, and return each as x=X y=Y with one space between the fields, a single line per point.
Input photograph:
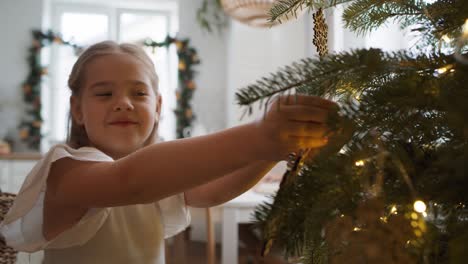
x=188 y=57
x=30 y=127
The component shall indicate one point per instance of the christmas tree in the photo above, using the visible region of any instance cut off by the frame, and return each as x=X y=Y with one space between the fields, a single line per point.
x=391 y=186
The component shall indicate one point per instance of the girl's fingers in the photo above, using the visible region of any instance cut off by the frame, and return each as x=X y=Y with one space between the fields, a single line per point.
x=306 y=142
x=305 y=113
x=304 y=129
x=308 y=100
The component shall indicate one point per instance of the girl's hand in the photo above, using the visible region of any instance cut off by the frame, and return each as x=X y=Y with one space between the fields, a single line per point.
x=298 y=123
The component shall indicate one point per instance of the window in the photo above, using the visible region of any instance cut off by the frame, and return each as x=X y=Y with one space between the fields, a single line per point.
x=85 y=24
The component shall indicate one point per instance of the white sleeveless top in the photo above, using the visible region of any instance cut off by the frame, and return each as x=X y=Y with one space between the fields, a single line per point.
x=123 y=234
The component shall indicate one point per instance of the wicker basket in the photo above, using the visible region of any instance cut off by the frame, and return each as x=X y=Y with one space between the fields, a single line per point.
x=7 y=254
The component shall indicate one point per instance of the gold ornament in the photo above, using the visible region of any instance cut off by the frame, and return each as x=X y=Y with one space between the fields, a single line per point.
x=191 y=85
x=182 y=66
x=58 y=40
x=37 y=124
x=188 y=113
x=179 y=45
x=24 y=133
x=44 y=71
x=320 y=33
x=27 y=89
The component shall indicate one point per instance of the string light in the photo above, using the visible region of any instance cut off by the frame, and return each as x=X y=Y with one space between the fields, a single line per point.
x=418 y=233
x=441 y=70
x=444 y=69
x=419 y=206
x=393 y=210
x=359 y=163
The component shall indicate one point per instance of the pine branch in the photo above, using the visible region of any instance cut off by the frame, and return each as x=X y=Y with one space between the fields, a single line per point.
x=363 y=16
x=346 y=73
x=413 y=107
x=288 y=78
x=443 y=17
x=284 y=9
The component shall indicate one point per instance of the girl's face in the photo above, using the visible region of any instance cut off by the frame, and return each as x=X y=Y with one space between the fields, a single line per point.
x=118 y=106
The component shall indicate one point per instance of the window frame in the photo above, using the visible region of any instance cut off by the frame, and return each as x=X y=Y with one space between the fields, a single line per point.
x=113 y=10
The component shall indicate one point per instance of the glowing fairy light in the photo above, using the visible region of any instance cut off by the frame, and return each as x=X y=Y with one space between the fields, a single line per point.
x=359 y=163
x=445 y=69
x=418 y=233
x=441 y=70
x=446 y=39
x=465 y=28
x=393 y=210
x=419 y=206
x=356 y=229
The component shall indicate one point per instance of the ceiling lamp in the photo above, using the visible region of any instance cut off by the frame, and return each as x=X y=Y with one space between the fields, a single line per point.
x=250 y=12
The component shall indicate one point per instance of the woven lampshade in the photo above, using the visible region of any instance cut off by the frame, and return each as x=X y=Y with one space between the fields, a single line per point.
x=250 y=12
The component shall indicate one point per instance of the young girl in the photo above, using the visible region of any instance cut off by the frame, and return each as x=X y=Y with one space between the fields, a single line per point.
x=110 y=195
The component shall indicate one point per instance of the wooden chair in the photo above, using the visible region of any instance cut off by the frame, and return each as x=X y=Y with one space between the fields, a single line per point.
x=7 y=254
x=210 y=238
x=181 y=240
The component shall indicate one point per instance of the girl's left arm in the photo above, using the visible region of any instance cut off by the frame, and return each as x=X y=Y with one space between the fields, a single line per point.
x=229 y=186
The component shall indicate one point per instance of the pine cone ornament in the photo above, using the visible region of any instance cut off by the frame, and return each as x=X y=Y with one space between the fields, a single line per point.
x=320 y=33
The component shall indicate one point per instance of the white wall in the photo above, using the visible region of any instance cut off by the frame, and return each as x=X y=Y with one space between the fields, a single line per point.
x=17 y=18
x=256 y=52
x=209 y=99
x=389 y=37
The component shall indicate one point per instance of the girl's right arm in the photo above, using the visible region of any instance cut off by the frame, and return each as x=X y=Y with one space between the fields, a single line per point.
x=168 y=168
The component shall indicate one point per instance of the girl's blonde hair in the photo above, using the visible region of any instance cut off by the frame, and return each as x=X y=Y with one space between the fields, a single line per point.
x=77 y=136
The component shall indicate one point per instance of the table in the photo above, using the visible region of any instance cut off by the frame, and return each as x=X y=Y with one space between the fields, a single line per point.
x=239 y=210
x=14 y=168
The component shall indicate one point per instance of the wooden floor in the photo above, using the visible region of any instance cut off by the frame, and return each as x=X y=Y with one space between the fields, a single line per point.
x=196 y=254
x=187 y=251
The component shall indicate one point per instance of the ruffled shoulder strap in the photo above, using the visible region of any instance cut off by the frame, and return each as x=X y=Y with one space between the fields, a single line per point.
x=35 y=182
